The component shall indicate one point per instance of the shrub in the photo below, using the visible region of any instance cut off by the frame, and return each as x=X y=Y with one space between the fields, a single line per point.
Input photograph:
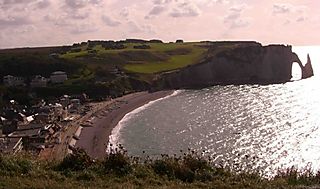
x=173 y=168
x=86 y=176
x=165 y=166
x=191 y=166
x=15 y=165
x=293 y=176
x=118 y=162
x=195 y=162
x=77 y=161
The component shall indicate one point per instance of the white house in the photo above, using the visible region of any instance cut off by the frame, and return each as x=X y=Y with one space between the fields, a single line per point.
x=58 y=77
x=11 y=81
x=38 y=81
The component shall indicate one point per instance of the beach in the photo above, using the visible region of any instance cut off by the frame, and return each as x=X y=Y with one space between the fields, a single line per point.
x=94 y=137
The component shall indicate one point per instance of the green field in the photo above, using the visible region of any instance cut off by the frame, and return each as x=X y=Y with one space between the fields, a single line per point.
x=160 y=57
x=172 y=63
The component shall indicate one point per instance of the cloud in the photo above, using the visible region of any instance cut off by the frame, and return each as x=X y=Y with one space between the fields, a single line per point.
x=234 y=19
x=157 y=10
x=79 y=15
x=95 y=2
x=176 y=8
x=301 y=19
x=185 y=9
x=8 y=2
x=282 y=8
x=125 y=12
x=221 y=1
x=78 y=4
x=239 y=23
x=83 y=28
x=109 y=21
x=9 y=5
x=61 y=20
x=232 y=15
x=293 y=13
x=42 y=4
x=161 y=2
x=14 y=21
x=75 y=4
x=135 y=28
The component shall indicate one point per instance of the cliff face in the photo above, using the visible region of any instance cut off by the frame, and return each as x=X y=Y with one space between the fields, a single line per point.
x=238 y=65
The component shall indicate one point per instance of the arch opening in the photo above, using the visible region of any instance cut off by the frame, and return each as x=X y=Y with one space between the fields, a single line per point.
x=296 y=71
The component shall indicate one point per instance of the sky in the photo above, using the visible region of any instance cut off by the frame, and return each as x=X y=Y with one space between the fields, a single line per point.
x=27 y=23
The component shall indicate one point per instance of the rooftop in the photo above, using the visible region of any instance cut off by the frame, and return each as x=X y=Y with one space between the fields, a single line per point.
x=58 y=73
x=30 y=132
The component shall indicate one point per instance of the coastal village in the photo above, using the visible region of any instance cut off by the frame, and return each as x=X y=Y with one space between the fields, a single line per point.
x=43 y=127
x=51 y=129
x=48 y=125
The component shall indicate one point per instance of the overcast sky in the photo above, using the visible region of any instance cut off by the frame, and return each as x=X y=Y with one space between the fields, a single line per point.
x=57 y=22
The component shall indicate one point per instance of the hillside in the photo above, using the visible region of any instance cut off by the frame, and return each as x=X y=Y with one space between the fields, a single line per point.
x=99 y=68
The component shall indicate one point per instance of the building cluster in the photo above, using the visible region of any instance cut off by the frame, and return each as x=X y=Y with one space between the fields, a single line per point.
x=38 y=127
x=37 y=81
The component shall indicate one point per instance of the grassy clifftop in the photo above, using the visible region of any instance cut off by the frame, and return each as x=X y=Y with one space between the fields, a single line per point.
x=149 y=58
x=118 y=170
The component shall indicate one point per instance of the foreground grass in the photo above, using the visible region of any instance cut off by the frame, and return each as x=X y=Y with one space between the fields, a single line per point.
x=118 y=170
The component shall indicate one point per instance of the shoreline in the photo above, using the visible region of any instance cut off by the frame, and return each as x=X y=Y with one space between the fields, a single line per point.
x=94 y=140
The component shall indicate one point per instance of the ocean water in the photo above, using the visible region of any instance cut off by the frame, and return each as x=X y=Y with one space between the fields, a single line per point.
x=258 y=127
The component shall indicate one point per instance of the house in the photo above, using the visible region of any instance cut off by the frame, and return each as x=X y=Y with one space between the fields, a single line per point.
x=12 y=81
x=75 y=105
x=44 y=117
x=21 y=118
x=58 y=77
x=60 y=112
x=75 y=102
x=38 y=81
x=31 y=130
x=9 y=128
x=3 y=121
x=64 y=100
x=44 y=114
x=34 y=134
x=11 y=119
x=10 y=145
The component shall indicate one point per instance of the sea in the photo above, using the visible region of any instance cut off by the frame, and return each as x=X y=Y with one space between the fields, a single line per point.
x=264 y=128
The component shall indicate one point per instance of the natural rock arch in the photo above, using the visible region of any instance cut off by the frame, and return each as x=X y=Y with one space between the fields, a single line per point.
x=306 y=70
x=296 y=71
x=243 y=64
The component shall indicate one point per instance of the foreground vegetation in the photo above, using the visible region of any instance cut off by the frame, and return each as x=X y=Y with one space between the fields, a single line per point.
x=118 y=170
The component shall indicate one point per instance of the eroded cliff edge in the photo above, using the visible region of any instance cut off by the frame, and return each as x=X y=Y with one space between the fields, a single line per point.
x=243 y=63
